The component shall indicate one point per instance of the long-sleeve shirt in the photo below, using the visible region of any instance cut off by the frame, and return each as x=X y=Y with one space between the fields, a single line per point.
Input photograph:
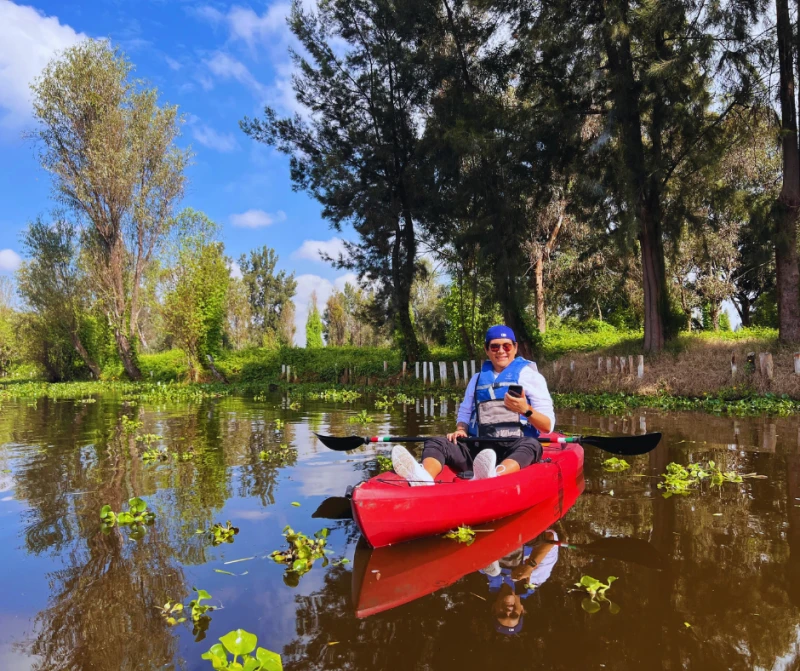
x=533 y=384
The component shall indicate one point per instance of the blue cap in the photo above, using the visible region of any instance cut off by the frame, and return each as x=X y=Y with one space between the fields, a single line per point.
x=509 y=631
x=499 y=331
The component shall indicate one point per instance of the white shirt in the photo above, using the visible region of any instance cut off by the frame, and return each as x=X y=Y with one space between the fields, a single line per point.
x=533 y=384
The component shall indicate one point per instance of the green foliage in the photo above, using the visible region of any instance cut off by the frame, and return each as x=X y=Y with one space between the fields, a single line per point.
x=241 y=644
x=136 y=517
x=361 y=418
x=270 y=294
x=462 y=535
x=219 y=533
x=615 y=465
x=683 y=480
x=154 y=454
x=129 y=425
x=302 y=553
x=281 y=456
x=197 y=608
x=597 y=594
x=172 y=612
x=588 y=336
x=384 y=463
x=314 y=325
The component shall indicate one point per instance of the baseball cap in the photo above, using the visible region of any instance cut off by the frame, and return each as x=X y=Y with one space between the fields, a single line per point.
x=499 y=331
x=510 y=631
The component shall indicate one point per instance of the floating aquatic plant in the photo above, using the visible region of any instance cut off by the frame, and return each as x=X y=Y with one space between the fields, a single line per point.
x=597 y=594
x=462 y=535
x=172 y=613
x=242 y=644
x=302 y=553
x=219 y=533
x=361 y=418
x=615 y=465
x=136 y=517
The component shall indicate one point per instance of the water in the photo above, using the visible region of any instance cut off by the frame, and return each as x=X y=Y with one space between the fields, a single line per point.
x=725 y=562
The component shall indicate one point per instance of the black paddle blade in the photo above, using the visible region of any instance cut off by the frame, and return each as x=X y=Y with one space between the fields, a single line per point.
x=341 y=444
x=334 y=508
x=627 y=446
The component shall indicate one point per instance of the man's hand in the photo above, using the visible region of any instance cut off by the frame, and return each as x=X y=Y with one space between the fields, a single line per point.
x=458 y=433
x=519 y=405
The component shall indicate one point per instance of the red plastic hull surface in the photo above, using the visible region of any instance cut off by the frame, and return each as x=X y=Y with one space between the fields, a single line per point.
x=389 y=577
x=388 y=510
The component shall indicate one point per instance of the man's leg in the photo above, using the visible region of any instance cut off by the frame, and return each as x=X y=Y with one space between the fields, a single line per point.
x=522 y=452
x=439 y=452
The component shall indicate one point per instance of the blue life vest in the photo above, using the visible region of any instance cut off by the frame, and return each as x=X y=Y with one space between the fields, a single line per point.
x=490 y=389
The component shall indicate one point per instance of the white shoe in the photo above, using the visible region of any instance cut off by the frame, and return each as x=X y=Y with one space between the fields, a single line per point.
x=493 y=569
x=409 y=468
x=485 y=465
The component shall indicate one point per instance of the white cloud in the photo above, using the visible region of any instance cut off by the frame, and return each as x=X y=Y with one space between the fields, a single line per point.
x=257 y=219
x=226 y=66
x=235 y=270
x=172 y=63
x=9 y=260
x=28 y=41
x=314 y=249
x=210 y=138
x=308 y=283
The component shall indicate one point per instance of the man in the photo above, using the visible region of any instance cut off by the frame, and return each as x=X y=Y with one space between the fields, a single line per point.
x=488 y=410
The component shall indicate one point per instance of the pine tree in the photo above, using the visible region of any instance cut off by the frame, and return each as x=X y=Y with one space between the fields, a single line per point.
x=314 y=324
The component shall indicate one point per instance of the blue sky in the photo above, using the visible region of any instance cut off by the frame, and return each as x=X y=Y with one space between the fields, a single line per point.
x=218 y=62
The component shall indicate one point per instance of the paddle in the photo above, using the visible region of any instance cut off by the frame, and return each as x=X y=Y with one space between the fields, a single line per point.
x=623 y=445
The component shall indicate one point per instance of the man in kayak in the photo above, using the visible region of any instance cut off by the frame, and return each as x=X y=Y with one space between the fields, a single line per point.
x=491 y=408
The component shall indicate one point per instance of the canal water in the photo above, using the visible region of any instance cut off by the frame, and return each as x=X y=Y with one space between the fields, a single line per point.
x=705 y=581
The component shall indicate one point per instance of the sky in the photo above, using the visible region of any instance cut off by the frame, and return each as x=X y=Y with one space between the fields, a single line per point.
x=219 y=62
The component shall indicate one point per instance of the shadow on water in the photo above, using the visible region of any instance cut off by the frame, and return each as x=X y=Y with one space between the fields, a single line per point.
x=707 y=581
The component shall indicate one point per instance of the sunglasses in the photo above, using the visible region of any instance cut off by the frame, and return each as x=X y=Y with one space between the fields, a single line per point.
x=495 y=347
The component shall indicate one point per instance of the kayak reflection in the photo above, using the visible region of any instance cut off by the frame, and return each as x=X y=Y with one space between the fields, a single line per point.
x=388 y=577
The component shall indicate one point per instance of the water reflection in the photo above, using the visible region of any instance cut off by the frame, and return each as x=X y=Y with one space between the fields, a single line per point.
x=726 y=561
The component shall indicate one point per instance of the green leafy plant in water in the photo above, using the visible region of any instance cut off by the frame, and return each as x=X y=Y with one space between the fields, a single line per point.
x=129 y=425
x=172 y=612
x=302 y=553
x=279 y=424
x=278 y=457
x=295 y=405
x=384 y=463
x=462 y=535
x=242 y=644
x=361 y=418
x=683 y=479
x=260 y=397
x=136 y=517
x=154 y=454
x=222 y=534
x=148 y=438
x=383 y=402
x=597 y=594
x=199 y=613
x=184 y=456
x=334 y=395
x=615 y=465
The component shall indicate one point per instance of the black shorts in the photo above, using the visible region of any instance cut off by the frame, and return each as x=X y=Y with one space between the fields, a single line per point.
x=458 y=456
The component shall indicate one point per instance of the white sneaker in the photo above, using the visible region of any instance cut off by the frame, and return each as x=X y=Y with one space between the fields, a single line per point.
x=485 y=465
x=409 y=468
x=493 y=569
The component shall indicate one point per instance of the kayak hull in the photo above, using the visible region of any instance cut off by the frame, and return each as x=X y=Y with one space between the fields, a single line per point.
x=388 y=510
x=391 y=576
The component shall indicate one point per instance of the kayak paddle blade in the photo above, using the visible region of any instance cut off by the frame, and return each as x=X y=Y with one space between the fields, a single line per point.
x=341 y=444
x=334 y=508
x=627 y=446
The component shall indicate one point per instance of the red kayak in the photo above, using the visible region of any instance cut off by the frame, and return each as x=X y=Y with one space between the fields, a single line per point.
x=388 y=510
x=389 y=577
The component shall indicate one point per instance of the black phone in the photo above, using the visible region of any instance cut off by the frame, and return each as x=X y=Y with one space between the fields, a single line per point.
x=515 y=390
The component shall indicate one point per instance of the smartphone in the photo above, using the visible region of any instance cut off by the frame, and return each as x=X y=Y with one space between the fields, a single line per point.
x=515 y=390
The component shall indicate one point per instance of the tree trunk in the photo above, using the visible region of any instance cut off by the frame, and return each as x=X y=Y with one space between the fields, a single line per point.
x=87 y=359
x=652 y=267
x=127 y=356
x=742 y=306
x=403 y=267
x=538 y=273
x=786 y=261
x=713 y=310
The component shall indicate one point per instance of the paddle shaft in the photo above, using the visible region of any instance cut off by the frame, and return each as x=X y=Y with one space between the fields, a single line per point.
x=469 y=439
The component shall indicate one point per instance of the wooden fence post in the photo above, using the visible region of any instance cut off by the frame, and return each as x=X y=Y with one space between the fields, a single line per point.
x=283 y=371
x=797 y=363
x=472 y=366
x=404 y=368
x=769 y=369
x=424 y=373
x=622 y=365
x=288 y=373
x=430 y=372
x=416 y=370
x=571 y=366
x=599 y=364
x=442 y=373
x=640 y=367
x=384 y=366
x=466 y=376
x=733 y=364
x=455 y=373
x=609 y=365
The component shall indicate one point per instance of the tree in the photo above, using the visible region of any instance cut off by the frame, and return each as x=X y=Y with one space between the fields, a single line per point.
x=238 y=316
x=52 y=283
x=428 y=306
x=286 y=325
x=335 y=320
x=8 y=338
x=314 y=324
x=194 y=300
x=357 y=153
x=269 y=292
x=111 y=150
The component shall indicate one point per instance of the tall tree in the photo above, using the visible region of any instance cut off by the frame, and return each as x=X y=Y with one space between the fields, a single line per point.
x=335 y=320
x=357 y=152
x=238 y=315
x=111 y=150
x=314 y=324
x=269 y=292
x=52 y=283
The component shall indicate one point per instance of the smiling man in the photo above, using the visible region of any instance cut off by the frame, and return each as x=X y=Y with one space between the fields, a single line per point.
x=490 y=408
